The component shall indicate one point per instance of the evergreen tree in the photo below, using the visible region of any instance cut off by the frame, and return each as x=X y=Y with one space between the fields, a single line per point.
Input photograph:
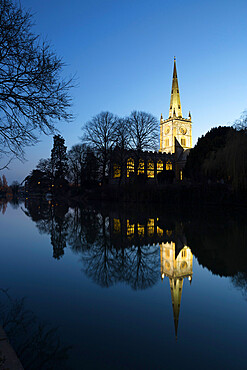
x=59 y=158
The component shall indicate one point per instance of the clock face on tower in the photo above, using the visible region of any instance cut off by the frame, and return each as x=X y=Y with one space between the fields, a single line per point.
x=183 y=130
x=167 y=130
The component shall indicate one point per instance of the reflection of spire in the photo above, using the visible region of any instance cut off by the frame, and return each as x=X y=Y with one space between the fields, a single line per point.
x=176 y=286
x=177 y=266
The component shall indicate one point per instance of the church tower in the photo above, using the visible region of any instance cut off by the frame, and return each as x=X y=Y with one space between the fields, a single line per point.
x=175 y=128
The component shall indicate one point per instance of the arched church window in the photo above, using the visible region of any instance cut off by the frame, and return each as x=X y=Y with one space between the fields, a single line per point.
x=130 y=166
x=183 y=142
x=116 y=170
x=150 y=169
x=168 y=166
x=140 y=168
x=159 y=166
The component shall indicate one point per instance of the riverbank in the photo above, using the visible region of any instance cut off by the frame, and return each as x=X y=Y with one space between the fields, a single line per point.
x=179 y=194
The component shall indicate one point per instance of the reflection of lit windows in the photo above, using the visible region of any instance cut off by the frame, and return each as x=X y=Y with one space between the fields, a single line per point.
x=167 y=253
x=140 y=168
x=159 y=166
x=166 y=142
x=130 y=166
x=130 y=229
x=116 y=171
x=150 y=227
x=141 y=230
x=168 y=166
x=159 y=231
x=150 y=169
x=181 y=175
x=116 y=225
x=168 y=232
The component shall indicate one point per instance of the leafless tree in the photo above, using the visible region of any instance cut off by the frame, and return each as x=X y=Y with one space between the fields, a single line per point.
x=241 y=123
x=122 y=144
x=33 y=96
x=143 y=131
x=100 y=134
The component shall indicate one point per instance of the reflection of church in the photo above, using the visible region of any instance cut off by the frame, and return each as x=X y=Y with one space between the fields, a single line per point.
x=175 y=143
x=176 y=259
x=176 y=266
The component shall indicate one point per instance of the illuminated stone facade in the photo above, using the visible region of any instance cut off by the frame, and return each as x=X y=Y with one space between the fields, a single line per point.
x=132 y=163
x=175 y=127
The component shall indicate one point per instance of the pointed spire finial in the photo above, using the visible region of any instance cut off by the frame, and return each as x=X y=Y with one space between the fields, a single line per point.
x=175 y=105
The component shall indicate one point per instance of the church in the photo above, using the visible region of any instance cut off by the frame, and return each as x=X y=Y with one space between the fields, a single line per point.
x=175 y=144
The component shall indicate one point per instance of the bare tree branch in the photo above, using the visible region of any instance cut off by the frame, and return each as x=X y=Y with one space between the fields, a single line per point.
x=33 y=96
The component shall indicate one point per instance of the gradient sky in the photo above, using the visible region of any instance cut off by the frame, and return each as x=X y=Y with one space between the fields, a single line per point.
x=122 y=53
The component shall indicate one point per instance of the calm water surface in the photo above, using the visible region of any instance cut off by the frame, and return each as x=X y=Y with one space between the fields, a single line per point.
x=123 y=288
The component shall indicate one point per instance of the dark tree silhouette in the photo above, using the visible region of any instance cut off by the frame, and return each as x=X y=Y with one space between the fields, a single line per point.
x=33 y=96
x=83 y=165
x=206 y=148
x=59 y=159
x=143 y=131
x=100 y=134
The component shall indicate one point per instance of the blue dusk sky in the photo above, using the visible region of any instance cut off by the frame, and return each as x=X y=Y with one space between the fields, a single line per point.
x=122 y=54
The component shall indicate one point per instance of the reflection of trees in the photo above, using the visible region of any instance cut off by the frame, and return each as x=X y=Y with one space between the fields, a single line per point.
x=99 y=260
x=240 y=282
x=106 y=259
x=143 y=266
x=3 y=205
x=36 y=344
x=218 y=240
x=137 y=266
x=83 y=228
x=51 y=219
x=110 y=255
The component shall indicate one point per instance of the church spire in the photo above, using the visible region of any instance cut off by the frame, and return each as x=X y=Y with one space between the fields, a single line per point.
x=175 y=105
